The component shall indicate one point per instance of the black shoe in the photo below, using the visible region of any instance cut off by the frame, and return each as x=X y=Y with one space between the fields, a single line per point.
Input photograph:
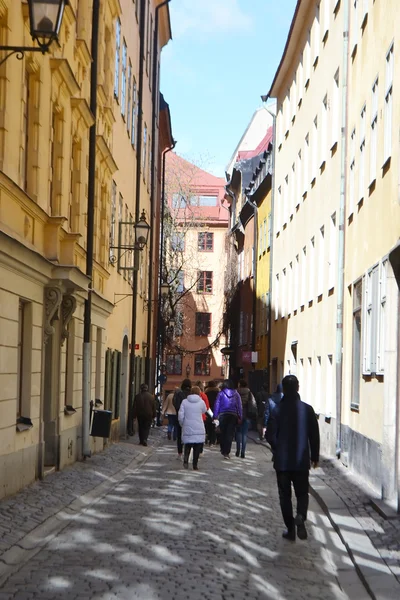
x=169 y=435
x=301 y=528
x=195 y=468
x=185 y=464
x=144 y=443
x=242 y=455
x=237 y=452
x=289 y=534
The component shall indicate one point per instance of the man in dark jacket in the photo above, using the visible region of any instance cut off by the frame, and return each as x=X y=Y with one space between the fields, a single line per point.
x=211 y=392
x=178 y=398
x=144 y=410
x=294 y=440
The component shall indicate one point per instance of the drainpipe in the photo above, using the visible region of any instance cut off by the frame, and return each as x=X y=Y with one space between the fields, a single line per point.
x=155 y=101
x=87 y=323
x=341 y=240
x=160 y=348
x=271 y=249
x=137 y=205
x=255 y=247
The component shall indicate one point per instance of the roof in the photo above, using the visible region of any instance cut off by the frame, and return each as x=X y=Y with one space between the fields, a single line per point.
x=252 y=137
x=301 y=12
x=262 y=146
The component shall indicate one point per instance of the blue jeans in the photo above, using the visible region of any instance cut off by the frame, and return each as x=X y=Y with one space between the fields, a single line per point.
x=172 y=425
x=241 y=436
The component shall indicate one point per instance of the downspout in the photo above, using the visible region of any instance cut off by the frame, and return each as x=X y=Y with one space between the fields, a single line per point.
x=271 y=249
x=155 y=103
x=341 y=240
x=160 y=349
x=87 y=323
x=255 y=248
x=137 y=203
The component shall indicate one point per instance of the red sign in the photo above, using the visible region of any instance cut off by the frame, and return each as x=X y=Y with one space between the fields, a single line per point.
x=137 y=346
x=246 y=356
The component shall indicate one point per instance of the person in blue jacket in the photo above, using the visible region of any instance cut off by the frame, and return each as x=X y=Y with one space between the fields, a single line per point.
x=294 y=439
x=228 y=412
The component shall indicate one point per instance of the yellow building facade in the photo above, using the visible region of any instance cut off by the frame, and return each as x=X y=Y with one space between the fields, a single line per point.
x=45 y=119
x=336 y=229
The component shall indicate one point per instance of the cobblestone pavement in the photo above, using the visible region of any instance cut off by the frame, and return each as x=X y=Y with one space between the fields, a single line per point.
x=157 y=531
x=383 y=533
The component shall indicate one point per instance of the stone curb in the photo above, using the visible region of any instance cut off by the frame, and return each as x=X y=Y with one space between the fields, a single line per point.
x=32 y=543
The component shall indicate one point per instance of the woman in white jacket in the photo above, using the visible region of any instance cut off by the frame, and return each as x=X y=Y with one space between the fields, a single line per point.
x=190 y=418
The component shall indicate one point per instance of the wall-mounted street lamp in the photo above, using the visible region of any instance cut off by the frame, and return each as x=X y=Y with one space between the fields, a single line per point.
x=45 y=18
x=140 y=238
x=188 y=370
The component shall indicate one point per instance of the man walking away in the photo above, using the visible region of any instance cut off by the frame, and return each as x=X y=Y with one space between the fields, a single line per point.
x=262 y=400
x=294 y=440
x=144 y=410
x=212 y=392
x=273 y=400
x=179 y=397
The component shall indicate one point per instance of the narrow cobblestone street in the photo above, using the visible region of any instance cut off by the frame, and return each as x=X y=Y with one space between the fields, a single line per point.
x=157 y=531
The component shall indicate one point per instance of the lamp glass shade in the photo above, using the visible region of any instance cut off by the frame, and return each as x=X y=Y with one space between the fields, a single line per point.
x=142 y=229
x=46 y=17
x=164 y=289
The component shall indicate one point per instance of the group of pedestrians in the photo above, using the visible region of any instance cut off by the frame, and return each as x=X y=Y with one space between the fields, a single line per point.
x=290 y=427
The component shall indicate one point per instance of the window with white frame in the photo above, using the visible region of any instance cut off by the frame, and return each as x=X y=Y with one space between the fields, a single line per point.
x=354 y=21
x=292 y=190
x=117 y=57
x=260 y=241
x=290 y=288
x=311 y=262
x=324 y=128
x=314 y=149
x=332 y=252
x=283 y=294
x=373 y=144
x=265 y=235
x=300 y=78
x=278 y=211
x=305 y=162
x=298 y=180
x=352 y=172
x=123 y=78
x=335 y=109
x=327 y=17
x=276 y=294
x=303 y=276
x=364 y=11
x=269 y=238
x=356 y=344
x=133 y=116
x=307 y=60
x=113 y=217
x=296 y=283
x=293 y=96
x=318 y=380
x=144 y=152
x=361 y=166
x=388 y=124
x=287 y=112
x=321 y=261
x=285 y=200
x=129 y=108
x=329 y=386
x=374 y=319
x=316 y=35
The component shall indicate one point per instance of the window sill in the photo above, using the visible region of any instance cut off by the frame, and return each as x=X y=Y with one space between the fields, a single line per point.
x=386 y=166
x=23 y=424
x=69 y=410
x=355 y=408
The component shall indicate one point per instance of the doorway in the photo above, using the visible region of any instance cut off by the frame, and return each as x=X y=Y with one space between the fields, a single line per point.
x=124 y=388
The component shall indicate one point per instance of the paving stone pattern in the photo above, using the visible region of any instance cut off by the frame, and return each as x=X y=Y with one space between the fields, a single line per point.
x=383 y=533
x=162 y=532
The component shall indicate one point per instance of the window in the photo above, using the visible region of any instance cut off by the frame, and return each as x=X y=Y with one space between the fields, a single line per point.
x=374 y=133
x=178 y=324
x=332 y=252
x=303 y=277
x=335 y=110
x=203 y=200
x=356 y=350
x=283 y=294
x=296 y=283
x=321 y=262
x=205 y=282
x=269 y=237
x=260 y=241
x=113 y=217
x=380 y=358
x=314 y=149
x=133 y=116
x=361 y=167
x=148 y=37
x=144 y=153
x=178 y=241
x=285 y=200
x=327 y=16
x=374 y=319
x=329 y=386
x=388 y=106
x=117 y=53
x=317 y=35
x=300 y=78
x=129 y=109
x=203 y=323
x=305 y=163
x=123 y=79
x=202 y=363
x=205 y=241
x=307 y=58
x=176 y=280
x=69 y=370
x=324 y=128
x=352 y=172
x=311 y=289
x=24 y=358
x=354 y=20
x=276 y=293
x=298 y=179
x=174 y=364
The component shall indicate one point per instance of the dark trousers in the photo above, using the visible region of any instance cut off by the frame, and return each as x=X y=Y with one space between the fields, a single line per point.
x=196 y=453
x=144 y=424
x=210 y=430
x=227 y=425
x=300 y=484
x=179 y=438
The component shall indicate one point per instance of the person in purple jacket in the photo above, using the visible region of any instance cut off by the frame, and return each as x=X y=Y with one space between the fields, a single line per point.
x=228 y=411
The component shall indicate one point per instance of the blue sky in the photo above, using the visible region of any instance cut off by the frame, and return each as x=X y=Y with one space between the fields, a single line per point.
x=223 y=56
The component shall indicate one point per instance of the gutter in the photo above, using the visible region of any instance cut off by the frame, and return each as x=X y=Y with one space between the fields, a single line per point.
x=342 y=224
